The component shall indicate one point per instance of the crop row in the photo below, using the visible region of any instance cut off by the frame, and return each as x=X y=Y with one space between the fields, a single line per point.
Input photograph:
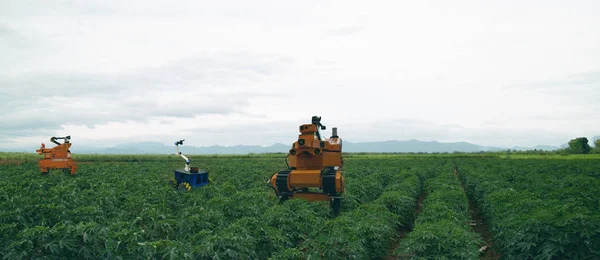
x=124 y=209
x=366 y=231
x=441 y=229
x=128 y=210
x=293 y=231
x=538 y=209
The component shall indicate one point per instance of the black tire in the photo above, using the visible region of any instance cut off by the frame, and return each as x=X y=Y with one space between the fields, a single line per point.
x=283 y=199
x=336 y=205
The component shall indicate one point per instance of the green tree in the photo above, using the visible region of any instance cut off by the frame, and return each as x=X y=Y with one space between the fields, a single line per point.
x=597 y=145
x=579 y=146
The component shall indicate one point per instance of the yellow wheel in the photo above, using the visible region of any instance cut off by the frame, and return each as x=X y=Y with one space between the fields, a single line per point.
x=185 y=186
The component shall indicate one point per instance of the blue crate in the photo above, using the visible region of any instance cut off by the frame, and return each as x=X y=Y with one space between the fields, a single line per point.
x=196 y=180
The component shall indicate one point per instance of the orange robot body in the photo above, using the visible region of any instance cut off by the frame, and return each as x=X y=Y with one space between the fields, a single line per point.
x=314 y=163
x=58 y=157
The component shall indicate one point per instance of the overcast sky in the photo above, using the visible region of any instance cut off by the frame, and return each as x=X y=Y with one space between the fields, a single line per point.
x=499 y=73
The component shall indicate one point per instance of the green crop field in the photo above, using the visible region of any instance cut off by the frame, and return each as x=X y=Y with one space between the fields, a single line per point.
x=395 y=207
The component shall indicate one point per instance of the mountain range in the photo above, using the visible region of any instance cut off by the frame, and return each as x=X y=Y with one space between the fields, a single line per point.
x=393 y=146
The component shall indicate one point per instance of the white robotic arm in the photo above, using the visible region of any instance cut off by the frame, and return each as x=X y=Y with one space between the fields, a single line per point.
x=187 y=161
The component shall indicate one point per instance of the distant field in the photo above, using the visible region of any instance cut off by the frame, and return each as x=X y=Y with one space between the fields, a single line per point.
x=395 y=206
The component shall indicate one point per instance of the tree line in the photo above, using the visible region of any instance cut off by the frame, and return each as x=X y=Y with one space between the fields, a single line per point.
x=580 y=146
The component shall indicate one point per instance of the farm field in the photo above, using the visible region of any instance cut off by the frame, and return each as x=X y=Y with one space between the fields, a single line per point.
x=395 y=207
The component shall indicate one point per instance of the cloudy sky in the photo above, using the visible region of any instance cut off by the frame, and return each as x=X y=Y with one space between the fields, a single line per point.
x=500 y=73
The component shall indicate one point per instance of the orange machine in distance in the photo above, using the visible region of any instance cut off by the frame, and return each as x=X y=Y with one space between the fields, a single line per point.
x=58 y=157
x=315 y=168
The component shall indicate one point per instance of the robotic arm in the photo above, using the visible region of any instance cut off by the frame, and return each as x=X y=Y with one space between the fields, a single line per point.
x=187 y=161
x=66 y=138
x=316 y=120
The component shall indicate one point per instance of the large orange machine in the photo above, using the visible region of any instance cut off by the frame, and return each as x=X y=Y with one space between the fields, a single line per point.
x=58 y=157
x=315 y=168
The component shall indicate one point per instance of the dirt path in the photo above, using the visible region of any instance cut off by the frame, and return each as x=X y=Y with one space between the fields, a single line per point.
x=479 y=225
x=403 y=232
x=11 y=162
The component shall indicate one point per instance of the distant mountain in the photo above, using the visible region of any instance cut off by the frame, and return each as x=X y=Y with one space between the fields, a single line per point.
x=391 y=146
x=415 y=146
x=382 y=147
x=158 y=148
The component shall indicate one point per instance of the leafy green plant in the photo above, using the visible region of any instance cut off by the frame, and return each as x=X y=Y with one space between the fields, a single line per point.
x=441 y=230
x=538 y=209
x=122 y=207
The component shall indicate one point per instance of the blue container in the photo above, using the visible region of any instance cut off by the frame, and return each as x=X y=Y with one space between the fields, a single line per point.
x=195 y=179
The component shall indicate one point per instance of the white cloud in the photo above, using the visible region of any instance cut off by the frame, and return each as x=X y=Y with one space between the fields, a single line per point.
x=248 y=72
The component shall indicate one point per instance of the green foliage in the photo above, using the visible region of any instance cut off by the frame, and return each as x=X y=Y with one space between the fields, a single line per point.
x=441 y=230
x=122 y=207
x=538 y=209
x=579 y=146
x=365 y=232
x=442 y=239
x=125 y=209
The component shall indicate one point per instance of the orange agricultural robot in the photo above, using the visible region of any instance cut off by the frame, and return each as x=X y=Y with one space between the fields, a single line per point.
x=315 y=168
x=58 y=157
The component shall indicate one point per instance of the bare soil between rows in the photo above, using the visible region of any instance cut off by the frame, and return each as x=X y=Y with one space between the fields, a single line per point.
x=403 y=232
x=479 y=225
x=11 y=162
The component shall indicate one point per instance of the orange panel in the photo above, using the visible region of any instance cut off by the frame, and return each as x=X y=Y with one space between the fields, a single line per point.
x=332 y=159
x=306 y=160
x=308 y=129
x=305 y=178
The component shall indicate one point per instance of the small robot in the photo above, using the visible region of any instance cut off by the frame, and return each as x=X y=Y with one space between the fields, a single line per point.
x=315 y=168
x=58 y=157
x=188 y=178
